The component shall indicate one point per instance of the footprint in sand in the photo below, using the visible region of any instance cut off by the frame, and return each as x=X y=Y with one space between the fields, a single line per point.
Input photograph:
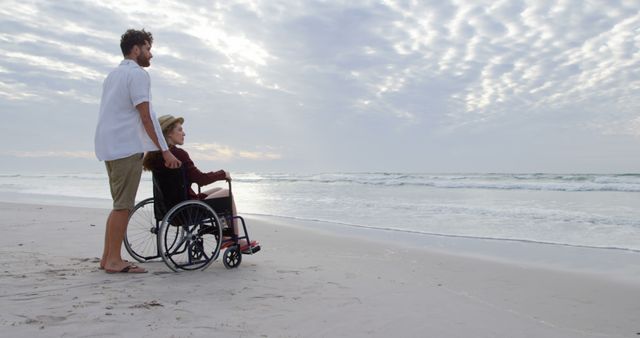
x=44 y=320
x=146 y=305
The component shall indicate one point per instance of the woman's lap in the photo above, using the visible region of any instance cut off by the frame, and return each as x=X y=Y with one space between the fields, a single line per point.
x=216 y=193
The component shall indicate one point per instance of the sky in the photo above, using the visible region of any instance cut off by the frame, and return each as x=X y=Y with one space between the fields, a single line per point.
x=336 y=86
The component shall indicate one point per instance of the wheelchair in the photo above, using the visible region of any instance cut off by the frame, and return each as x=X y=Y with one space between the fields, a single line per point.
x=186 y=234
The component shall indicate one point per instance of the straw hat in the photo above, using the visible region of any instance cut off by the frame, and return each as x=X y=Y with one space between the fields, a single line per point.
x=167 y=120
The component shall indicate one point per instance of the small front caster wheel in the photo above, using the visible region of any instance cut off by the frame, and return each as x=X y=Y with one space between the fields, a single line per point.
x=232 y=257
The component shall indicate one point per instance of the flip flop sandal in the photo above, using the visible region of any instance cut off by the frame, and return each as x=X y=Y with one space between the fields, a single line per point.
x=124 y=260
x=128 y=269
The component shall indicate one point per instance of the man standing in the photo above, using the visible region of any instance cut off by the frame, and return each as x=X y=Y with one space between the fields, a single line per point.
x=127 y=127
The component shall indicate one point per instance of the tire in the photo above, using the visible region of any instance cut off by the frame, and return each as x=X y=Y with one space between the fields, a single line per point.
x=232 y=257
x=190 y=236
x=140 y=240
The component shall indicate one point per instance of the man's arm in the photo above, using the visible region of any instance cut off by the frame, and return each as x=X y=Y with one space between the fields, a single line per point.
x=170 y=161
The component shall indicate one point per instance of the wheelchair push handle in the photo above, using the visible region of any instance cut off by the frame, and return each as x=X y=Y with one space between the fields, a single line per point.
x=229 y=183
x=228 y=180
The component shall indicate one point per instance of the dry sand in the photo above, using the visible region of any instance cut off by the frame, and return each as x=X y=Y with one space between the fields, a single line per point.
x=304 y=283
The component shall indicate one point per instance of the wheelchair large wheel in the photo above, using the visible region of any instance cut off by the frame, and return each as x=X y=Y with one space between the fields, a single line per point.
x=190 y=236
x=140 y=240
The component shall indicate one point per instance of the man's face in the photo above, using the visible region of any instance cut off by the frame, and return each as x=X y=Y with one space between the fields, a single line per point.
x=144 y=57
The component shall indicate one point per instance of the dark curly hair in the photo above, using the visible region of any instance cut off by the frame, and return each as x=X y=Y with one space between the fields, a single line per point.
x=132 y=38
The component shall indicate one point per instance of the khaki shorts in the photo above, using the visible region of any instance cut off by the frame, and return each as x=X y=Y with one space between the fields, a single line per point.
x=124 y=178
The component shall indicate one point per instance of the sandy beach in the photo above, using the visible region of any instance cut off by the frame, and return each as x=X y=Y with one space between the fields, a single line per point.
x=306 y=282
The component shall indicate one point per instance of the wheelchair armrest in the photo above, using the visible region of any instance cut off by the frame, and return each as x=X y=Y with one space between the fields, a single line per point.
x=200 y=187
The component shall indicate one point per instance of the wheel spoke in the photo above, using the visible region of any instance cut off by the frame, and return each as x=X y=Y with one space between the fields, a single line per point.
x=196 y=243
x=140 y=241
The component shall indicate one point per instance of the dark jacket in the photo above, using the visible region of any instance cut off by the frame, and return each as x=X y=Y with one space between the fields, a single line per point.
x=194 y=175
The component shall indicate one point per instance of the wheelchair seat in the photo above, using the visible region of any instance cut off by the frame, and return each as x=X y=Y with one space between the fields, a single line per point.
x=169 y=189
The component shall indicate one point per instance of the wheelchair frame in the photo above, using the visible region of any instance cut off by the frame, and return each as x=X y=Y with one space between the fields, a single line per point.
x=190 y=236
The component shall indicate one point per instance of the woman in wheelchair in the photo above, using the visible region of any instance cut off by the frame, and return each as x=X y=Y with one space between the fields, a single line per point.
x=217 y=198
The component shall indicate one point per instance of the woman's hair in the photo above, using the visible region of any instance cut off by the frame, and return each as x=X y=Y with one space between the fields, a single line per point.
x=153 y=159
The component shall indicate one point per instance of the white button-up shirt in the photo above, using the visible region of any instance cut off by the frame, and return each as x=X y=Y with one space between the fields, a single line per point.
x=120 y=132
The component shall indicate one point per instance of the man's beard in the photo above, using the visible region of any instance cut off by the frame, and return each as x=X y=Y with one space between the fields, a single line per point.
x=143 y=61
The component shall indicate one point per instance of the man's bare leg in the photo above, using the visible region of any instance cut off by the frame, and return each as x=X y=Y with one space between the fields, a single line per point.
x=105 y=251
x=116 y=228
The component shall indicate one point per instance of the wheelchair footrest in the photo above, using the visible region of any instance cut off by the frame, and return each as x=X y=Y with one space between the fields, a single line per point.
x=251 y=250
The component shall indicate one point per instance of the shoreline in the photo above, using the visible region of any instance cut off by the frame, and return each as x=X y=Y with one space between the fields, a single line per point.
x=306 y=282
x=608 y=263
x=104 y=203
x=619 y=263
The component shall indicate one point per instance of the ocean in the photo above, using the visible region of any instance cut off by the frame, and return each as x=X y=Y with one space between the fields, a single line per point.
x=590 y=210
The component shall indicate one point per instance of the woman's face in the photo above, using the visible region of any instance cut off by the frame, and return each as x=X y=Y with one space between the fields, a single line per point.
x=176 y=136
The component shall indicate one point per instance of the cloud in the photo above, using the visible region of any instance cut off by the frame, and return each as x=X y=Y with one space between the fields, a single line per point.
x=16 y=92
x=54 y=154
x=197 y=151
x=69 y=70
x=338 y=77
x=225 y=153
x=513 y=59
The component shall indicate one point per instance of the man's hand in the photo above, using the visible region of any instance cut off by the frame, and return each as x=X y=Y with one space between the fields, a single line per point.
x=170 y=161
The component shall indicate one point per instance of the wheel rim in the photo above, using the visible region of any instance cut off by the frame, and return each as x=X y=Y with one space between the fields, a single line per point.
x=232 y=257
x=190 y=236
